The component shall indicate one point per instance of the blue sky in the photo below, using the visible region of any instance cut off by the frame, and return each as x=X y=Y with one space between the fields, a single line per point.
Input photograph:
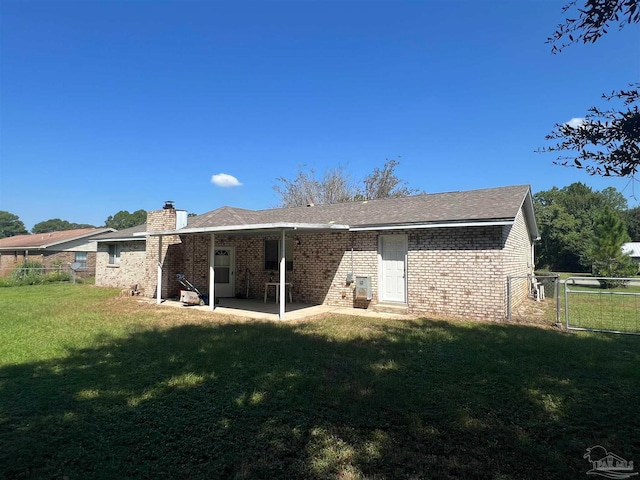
x=121 y=105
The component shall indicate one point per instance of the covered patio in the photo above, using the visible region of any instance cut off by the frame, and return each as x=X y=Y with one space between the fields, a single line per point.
x=280 y=285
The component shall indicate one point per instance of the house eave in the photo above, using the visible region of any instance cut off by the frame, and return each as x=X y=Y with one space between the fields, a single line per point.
x=413 y=226
x=117 y=239
x=256 y=228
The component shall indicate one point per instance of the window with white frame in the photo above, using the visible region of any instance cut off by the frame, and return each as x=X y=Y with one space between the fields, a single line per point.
x=114 y=254
x=81 y=258
x=272 y=255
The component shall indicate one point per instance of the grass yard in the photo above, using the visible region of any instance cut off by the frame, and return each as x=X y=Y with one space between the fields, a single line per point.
x=615 y=309
x=98 y=387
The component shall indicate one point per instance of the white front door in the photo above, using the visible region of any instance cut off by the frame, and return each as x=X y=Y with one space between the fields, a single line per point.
x=393 y=259
x=224 y=270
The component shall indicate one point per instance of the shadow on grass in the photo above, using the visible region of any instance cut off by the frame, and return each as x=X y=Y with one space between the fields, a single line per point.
x=419 y=399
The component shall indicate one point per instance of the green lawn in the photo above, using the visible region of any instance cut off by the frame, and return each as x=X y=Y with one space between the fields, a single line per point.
x=95 y=386
x=614 y=309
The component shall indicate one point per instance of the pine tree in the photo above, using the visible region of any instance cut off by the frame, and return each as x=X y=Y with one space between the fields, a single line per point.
x=610 y=232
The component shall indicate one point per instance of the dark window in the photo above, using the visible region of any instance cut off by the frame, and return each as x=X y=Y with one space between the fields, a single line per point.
x=81 y=258
x=272 y=255
x=114 y=254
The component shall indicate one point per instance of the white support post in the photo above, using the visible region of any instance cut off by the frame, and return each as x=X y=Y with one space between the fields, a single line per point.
x=283 y=269
x=159 y=287
x=212 y=273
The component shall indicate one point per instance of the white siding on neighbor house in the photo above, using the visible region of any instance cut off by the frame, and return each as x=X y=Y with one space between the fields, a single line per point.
x=80 y=245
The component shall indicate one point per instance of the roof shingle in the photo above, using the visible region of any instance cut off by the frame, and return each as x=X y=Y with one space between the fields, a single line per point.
x=44 y=240
x=501 y=203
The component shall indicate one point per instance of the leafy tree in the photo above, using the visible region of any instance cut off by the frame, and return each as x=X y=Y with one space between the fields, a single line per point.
x=593 y=20
x=610 y=232
x=57 y=225
x=607 y=141
x=11 y=225
x=632 y=219
x=123 y=219
x=566 y=219
x=336 y=186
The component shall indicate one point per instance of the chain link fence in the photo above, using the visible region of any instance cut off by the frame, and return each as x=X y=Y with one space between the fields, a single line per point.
x=541 y=304
x=31 y=273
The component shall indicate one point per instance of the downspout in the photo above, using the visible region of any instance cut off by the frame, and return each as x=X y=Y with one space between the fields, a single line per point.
x=159 y=287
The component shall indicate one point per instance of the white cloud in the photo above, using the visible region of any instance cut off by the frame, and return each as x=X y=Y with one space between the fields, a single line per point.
x=225 y=180
x=575 y=122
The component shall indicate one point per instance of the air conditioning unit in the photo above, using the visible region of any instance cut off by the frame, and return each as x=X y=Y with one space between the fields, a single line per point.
x=363 y=288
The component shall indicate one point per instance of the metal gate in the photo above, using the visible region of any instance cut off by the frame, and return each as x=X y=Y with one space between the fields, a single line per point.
x=590 y=307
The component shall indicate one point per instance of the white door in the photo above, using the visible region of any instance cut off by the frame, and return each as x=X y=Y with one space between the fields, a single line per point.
x=224 y=271
x=394 y=255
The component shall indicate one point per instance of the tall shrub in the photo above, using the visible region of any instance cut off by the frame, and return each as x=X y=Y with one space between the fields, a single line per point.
x=610 y=232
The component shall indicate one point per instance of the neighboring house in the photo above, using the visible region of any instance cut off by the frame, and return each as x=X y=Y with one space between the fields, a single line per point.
x=633 y=250
x=445 y=254
x=51 y=249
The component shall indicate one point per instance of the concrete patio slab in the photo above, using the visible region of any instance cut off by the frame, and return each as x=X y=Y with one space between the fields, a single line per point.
x=257 y=309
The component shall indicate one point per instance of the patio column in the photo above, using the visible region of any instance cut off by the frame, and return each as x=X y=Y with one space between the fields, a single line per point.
x=159 y=287
x=283 y=270
x=212 y=273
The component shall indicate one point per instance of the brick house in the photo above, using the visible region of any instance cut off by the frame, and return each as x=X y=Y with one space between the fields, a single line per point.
x=121 y=257
x=52 y=249
x=446 y=254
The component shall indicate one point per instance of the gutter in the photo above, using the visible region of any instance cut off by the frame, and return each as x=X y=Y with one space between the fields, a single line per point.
x=239 y=228
x=431 y=225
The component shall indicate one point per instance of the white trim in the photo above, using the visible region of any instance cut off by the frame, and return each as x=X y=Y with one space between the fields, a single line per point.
x=212 y=273
x=431 y=225
x=232 y=268
x=381 y=279
x=117 y=239
x=283 y=272
x=261 y=226
x=159 y=287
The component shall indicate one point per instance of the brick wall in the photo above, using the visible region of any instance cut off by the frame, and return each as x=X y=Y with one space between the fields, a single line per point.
x=454 y=272
x=170 y=255
x=318 y=261
x=9 y=260
x=48 y=259
x=517 y=260
x=130 y=270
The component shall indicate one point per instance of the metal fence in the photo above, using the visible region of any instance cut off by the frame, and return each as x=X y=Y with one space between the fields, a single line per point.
x=541 y=302
x=34 y=275
x=589 y=306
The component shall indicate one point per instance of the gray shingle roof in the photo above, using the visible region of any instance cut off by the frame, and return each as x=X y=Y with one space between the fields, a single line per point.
x=124 y=234
x=495 y=204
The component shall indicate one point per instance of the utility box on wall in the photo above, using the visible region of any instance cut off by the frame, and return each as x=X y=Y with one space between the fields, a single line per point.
x=363 y=288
